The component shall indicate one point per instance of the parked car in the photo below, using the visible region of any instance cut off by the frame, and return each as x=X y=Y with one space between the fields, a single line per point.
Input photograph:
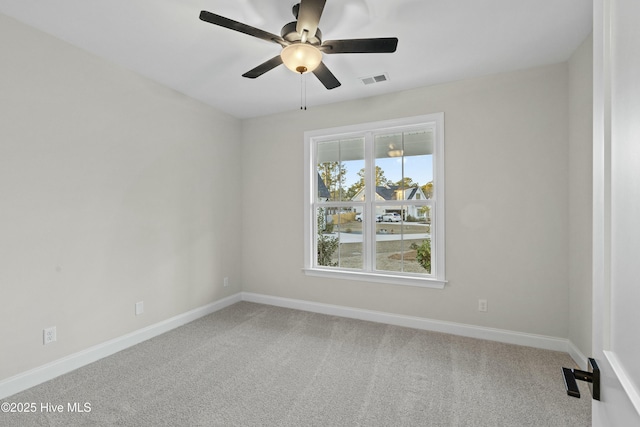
x=391 y=217
x=359 y=218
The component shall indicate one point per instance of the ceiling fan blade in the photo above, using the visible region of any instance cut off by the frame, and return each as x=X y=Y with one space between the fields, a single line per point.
x=309 y=16
x=212 y=18
x=326 y=77
x=381 y=45
x=263 y=68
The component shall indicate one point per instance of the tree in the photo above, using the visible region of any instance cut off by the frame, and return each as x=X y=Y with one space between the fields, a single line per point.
x=381 y=180
x=353 y=190
x=425 y=212
x=427 y=189
x=406 y=182
x=333 y=174
x=423 y=254
x=327 y=245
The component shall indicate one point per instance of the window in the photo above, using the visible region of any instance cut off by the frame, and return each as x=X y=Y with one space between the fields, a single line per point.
x=374 y=202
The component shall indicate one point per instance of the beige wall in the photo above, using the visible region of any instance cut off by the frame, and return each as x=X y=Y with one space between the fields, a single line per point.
x=507 y=221
x=113 y=190
x=580 y=195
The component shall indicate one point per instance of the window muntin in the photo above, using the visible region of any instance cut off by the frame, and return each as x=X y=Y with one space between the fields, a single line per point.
x=382 y=210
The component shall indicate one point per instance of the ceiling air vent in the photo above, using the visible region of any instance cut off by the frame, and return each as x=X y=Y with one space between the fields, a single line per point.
x=369 y=80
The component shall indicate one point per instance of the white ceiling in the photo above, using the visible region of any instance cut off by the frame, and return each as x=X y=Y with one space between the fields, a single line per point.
x=439 y=41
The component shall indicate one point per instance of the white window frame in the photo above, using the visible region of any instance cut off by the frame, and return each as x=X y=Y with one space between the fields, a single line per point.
x=311 y=138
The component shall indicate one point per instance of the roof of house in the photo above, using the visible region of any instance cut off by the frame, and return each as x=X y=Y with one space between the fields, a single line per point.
x=323 y=191
x=389 y=193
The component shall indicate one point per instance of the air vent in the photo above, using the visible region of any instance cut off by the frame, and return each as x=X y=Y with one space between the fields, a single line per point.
x=369 y=80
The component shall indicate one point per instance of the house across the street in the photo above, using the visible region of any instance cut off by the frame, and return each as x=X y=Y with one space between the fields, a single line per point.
x=396 y=192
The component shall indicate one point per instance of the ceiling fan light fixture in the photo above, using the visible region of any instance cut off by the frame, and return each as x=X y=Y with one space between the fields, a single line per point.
x=394 y=152
x=301 y=57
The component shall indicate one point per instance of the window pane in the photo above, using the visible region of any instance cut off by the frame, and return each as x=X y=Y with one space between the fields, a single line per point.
x=352 y=161
x=340 y=169
x=339 y=238
x=328 y=166
x=404 y=165
x=404 y=246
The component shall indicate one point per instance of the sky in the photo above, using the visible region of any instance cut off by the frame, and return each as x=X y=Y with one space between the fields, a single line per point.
x=418 y=168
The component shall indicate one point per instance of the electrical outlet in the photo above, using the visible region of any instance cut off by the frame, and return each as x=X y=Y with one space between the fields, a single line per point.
x=49 y=335
x=139 y=308
x=226 y=282
x=482 y=305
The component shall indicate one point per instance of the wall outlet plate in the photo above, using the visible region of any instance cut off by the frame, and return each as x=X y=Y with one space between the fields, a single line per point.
x=49 y=335
x=139 y=308
x=482 y=305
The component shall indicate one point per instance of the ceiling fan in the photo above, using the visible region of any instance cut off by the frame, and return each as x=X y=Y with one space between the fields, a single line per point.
x=301 y=42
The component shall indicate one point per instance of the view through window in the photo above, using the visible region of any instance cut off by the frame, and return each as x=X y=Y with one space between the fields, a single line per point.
x=376 y=191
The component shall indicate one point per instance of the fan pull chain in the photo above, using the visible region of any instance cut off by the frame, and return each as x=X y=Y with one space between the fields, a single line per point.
x=303 y=92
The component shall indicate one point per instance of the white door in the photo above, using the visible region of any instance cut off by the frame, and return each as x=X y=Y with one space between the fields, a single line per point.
x=616 y=232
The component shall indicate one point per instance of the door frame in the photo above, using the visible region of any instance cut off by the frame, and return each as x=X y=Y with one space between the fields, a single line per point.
x=620 y=400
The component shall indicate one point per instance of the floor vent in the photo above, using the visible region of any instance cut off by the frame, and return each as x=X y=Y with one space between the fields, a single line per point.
x=369 y=80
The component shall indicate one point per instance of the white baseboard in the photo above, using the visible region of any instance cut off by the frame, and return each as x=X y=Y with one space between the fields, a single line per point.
x=472 y=331
x=36 y=376
x=577 y=356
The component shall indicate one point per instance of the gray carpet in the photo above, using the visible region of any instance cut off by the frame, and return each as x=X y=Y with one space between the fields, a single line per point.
x=256 y=365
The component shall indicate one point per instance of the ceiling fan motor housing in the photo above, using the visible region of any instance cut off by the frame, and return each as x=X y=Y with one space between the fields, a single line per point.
x=290 y=34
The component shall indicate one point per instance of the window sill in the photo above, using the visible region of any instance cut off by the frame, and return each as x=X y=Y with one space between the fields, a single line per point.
x=376 y=278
